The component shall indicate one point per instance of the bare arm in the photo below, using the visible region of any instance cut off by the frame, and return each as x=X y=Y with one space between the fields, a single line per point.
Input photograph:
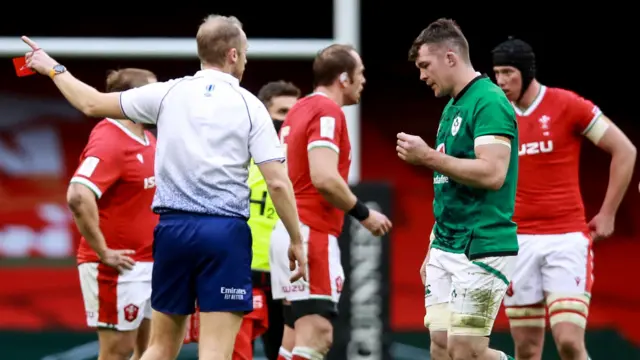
x=323 y=166
x=83 y=206
x=88 y=100
x=82 y=96
x=488 y=170
x=281 y=192
x=623 y=158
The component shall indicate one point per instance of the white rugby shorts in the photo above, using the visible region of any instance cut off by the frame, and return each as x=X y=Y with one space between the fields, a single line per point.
x=116 y=301
x=546 y=264
x=324 y=268
x=473 y=290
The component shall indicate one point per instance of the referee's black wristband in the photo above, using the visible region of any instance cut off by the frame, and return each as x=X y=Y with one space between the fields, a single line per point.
x=359 y=211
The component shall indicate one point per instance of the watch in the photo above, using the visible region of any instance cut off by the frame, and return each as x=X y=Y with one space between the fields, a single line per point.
x=56 y=70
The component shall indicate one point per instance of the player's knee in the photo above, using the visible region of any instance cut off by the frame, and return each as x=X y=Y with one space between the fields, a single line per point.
x=117 y=345
x=528 y=349
x=572 y=309
x=467 y=347
x=314 y=332
x=569 y=339
x=528 y=341
x=313 y=338
x=526 y=316
x=569 y=346
x=438 y=318
x=438 y=348
x=438 y=353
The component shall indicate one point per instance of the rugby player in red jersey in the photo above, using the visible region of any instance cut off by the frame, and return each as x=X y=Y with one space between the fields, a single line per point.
x=555 y=261
x=318 y=157
x=110 y=197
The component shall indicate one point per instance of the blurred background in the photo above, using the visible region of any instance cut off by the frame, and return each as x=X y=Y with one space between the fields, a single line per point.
x=41 y=137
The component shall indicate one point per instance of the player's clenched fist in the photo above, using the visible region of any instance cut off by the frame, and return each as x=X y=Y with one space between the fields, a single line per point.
x=377 y=223
x=37 y=59
x=412 y=149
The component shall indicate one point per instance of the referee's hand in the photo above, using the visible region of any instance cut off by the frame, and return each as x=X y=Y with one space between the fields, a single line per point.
x=119 y=259
x=297 y=261
x=37 y=59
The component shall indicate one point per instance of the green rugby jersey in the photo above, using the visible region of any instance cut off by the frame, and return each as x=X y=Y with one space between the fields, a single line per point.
x=474 y=221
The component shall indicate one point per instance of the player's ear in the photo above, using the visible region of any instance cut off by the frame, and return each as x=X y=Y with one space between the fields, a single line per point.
x=450 y=58
x=344 y=79
x=233 y=55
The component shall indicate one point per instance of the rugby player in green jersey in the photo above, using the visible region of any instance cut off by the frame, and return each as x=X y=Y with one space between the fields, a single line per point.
x=475 y=164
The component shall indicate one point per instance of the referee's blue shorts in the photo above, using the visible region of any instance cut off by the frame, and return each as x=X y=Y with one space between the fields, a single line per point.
x=204 y=258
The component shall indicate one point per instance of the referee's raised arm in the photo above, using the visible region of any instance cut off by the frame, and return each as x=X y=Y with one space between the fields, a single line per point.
x=209 y=128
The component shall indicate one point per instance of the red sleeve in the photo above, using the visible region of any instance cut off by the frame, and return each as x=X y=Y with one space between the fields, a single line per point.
x=326 y=128
x=584 y=113
x=100 y=163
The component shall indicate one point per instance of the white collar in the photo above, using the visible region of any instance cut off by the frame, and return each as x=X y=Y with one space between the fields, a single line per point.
x=220 y=75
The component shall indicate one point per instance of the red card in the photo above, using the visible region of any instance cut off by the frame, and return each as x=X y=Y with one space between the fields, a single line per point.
x=20 y=63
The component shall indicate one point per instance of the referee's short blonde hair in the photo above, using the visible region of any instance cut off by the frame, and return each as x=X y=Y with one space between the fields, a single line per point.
x=216 y=36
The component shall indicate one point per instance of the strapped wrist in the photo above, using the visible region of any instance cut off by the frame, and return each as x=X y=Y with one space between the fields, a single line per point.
x=360 y=211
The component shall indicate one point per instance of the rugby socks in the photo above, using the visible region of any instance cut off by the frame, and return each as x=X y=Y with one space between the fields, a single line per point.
x=305 y=353
x=283 y=354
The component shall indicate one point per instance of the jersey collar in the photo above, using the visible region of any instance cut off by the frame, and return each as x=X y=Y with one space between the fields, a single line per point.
x=219 y=75
x=144 y=141
x=534 y=105
x=464 y=90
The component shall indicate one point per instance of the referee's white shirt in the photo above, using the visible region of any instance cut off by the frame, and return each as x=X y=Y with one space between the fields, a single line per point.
x=208 y=130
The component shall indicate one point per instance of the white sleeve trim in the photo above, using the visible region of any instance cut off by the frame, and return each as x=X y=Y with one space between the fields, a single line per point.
x=86 y=182
x=596 y=129
x=323 y=143
x=595 y=117
x=278 y=159
x=490 y=140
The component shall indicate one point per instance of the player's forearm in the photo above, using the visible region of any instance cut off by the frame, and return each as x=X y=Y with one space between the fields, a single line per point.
x=82 y=96
x=620 y=174
x=336 y=191
x=477 y=173
x=281 y=192
x=87 y=219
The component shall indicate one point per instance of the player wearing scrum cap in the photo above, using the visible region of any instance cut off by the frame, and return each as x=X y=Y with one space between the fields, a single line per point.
x=555 y=262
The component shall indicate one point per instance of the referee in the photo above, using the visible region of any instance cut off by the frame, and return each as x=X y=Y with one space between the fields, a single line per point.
x=278 y=97
x=209 y=128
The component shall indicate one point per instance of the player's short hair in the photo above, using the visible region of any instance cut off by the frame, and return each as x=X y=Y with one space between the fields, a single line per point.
x=331 y=62
x=216 y=36
x=441 y=32
x=275 y=89
x=129 y=78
